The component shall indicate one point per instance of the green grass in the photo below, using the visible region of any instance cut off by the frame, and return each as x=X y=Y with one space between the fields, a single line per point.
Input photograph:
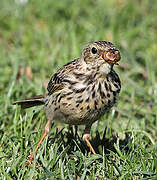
x=44 y=35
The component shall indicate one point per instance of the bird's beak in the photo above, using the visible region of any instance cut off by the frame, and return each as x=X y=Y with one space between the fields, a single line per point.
x=111 y=56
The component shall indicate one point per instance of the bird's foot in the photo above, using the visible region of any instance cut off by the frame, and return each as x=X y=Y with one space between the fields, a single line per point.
x=30 y=161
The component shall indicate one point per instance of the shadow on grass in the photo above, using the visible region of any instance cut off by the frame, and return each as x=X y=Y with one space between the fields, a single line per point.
x=70 y=143
x=74 y=142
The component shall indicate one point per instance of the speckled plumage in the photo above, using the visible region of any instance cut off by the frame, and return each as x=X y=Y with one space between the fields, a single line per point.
x=83 y=90
x=79 y=93
x=84 y=98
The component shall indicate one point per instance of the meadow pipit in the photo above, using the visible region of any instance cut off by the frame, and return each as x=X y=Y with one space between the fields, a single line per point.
x=81 y=91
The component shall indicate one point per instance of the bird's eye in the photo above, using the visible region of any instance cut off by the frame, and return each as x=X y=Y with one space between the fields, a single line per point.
x=94 y=50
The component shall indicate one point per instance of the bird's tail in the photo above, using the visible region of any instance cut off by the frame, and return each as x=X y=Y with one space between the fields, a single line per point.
x=30 y=102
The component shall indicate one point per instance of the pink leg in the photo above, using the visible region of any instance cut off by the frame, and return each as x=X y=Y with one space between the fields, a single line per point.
x=46 y=131
x=86 y=136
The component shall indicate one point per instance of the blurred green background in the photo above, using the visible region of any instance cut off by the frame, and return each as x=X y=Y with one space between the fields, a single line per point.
x=36 y=39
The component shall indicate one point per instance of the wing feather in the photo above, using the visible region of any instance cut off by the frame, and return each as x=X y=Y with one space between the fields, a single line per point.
x=58 y=80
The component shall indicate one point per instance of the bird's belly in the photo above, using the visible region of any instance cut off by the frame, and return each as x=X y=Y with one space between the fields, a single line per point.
x=83 y=112
x=79 y=117
x=82 y=106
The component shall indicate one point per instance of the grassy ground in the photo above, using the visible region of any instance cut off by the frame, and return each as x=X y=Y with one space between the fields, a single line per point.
x=38 y=37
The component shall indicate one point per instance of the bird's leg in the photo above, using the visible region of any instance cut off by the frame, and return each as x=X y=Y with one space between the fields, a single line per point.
x=46 y=131
x=86 y=136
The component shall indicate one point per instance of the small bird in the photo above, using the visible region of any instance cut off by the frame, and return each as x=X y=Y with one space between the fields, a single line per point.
x=81 y=91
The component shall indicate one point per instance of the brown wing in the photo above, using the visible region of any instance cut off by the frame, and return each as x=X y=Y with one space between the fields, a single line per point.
x=60 y=77
x=54 y=84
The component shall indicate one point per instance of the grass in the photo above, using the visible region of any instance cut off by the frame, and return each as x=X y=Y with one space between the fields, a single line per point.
x=44 y=35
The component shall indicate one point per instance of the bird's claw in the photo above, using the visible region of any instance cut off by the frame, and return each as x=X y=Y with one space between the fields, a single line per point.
x=30 y=161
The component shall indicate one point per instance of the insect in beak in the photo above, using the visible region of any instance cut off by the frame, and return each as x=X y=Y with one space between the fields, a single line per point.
x=111 y=56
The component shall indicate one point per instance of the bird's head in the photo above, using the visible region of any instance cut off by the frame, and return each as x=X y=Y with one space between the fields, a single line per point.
x=101 y=55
